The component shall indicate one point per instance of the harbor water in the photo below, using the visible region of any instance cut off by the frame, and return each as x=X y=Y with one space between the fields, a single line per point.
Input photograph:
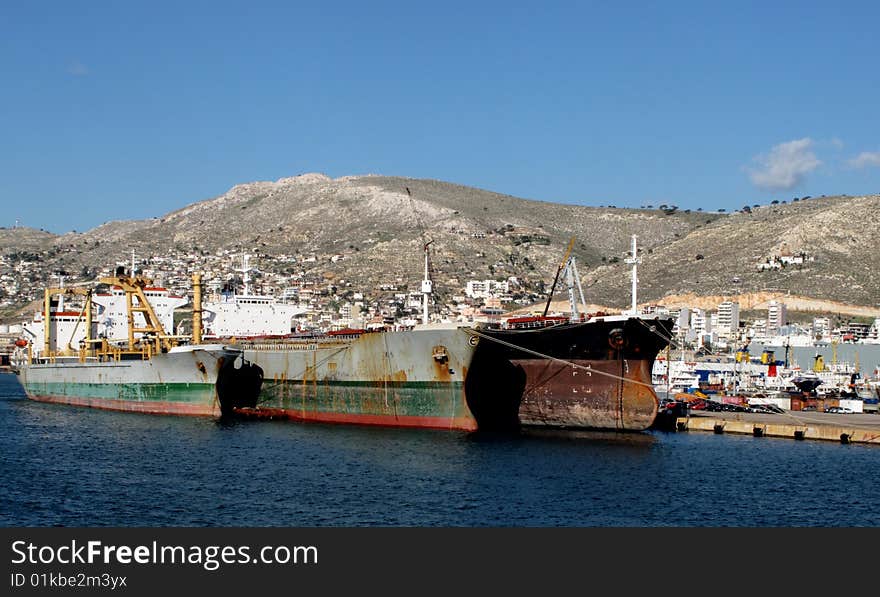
x=73 y=466
x=866 y=355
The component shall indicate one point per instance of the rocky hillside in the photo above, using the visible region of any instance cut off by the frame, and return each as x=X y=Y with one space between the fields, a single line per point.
x=836 y=236
x=375 y=226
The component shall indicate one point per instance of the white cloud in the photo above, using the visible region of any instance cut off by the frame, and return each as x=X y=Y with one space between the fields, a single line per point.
x=785 y=166
x=866 y=159
x=77 y=69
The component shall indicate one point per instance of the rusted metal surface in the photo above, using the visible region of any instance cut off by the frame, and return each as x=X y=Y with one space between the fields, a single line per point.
x=413 y=378
x=593 y=375
x=560 y=395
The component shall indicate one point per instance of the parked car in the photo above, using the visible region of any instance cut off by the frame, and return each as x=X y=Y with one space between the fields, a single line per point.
x=714 y=406
x=736 y=408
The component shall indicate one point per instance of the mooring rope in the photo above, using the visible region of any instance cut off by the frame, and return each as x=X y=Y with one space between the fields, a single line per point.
x=653 y=329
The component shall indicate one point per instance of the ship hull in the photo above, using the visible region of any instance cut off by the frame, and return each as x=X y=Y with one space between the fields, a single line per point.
x=192 y=382
x=413 y=378
x=591 y=375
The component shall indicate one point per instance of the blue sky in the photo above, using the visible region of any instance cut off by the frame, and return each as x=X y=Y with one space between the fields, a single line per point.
x=119 y=110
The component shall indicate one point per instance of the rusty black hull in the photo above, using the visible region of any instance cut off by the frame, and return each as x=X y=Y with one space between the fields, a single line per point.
x=602 y=379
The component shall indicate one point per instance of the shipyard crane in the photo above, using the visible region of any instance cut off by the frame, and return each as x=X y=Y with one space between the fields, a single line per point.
x=136 y=302
x=86 y=312
x=569 y=268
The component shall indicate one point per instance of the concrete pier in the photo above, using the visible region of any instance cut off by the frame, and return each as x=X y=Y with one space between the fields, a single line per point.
x=841 y=428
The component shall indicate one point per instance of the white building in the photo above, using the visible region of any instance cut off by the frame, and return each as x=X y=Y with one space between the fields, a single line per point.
x=728 y=319
x=682 y=320
x=776 y=317
x=485 y=288
x=821 y=327
x=701 y=325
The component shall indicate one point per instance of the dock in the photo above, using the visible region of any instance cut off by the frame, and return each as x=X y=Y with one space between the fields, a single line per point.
x=797 y=425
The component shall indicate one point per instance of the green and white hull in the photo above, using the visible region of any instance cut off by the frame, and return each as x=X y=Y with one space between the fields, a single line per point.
x=190 y=380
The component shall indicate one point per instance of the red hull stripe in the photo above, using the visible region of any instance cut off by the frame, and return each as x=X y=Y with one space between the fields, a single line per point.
x=152 y=407
x=462 y=423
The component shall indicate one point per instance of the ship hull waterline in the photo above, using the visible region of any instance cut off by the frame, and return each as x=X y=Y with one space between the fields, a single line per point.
x=392 y=404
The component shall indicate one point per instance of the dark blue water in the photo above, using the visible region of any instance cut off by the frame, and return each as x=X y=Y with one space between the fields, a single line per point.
x=69 y=466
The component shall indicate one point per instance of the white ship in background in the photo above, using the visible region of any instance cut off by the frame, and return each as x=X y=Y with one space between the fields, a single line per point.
x=112 y=312
x=109 y=317
x=229 y=315
x=232 y=315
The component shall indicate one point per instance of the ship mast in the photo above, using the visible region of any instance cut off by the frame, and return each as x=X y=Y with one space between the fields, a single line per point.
x=60 y=308
x=427 y=287
x=634 y=261
x=245 y=260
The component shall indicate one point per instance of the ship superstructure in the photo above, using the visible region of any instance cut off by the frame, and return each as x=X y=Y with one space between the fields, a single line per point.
x=233 y=315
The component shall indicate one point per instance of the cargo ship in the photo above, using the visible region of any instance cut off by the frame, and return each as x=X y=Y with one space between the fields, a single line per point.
x=592 y=372
x=411 y=377
x=577 y=371
x=150 y=371
x=407 y=378
x=582 y=370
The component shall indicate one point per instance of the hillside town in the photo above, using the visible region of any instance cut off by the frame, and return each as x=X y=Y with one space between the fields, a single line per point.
x=301 y=280
x=330 y=303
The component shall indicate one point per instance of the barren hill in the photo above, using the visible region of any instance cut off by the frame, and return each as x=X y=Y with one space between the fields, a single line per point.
x=838 y=237
x=375 y=226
